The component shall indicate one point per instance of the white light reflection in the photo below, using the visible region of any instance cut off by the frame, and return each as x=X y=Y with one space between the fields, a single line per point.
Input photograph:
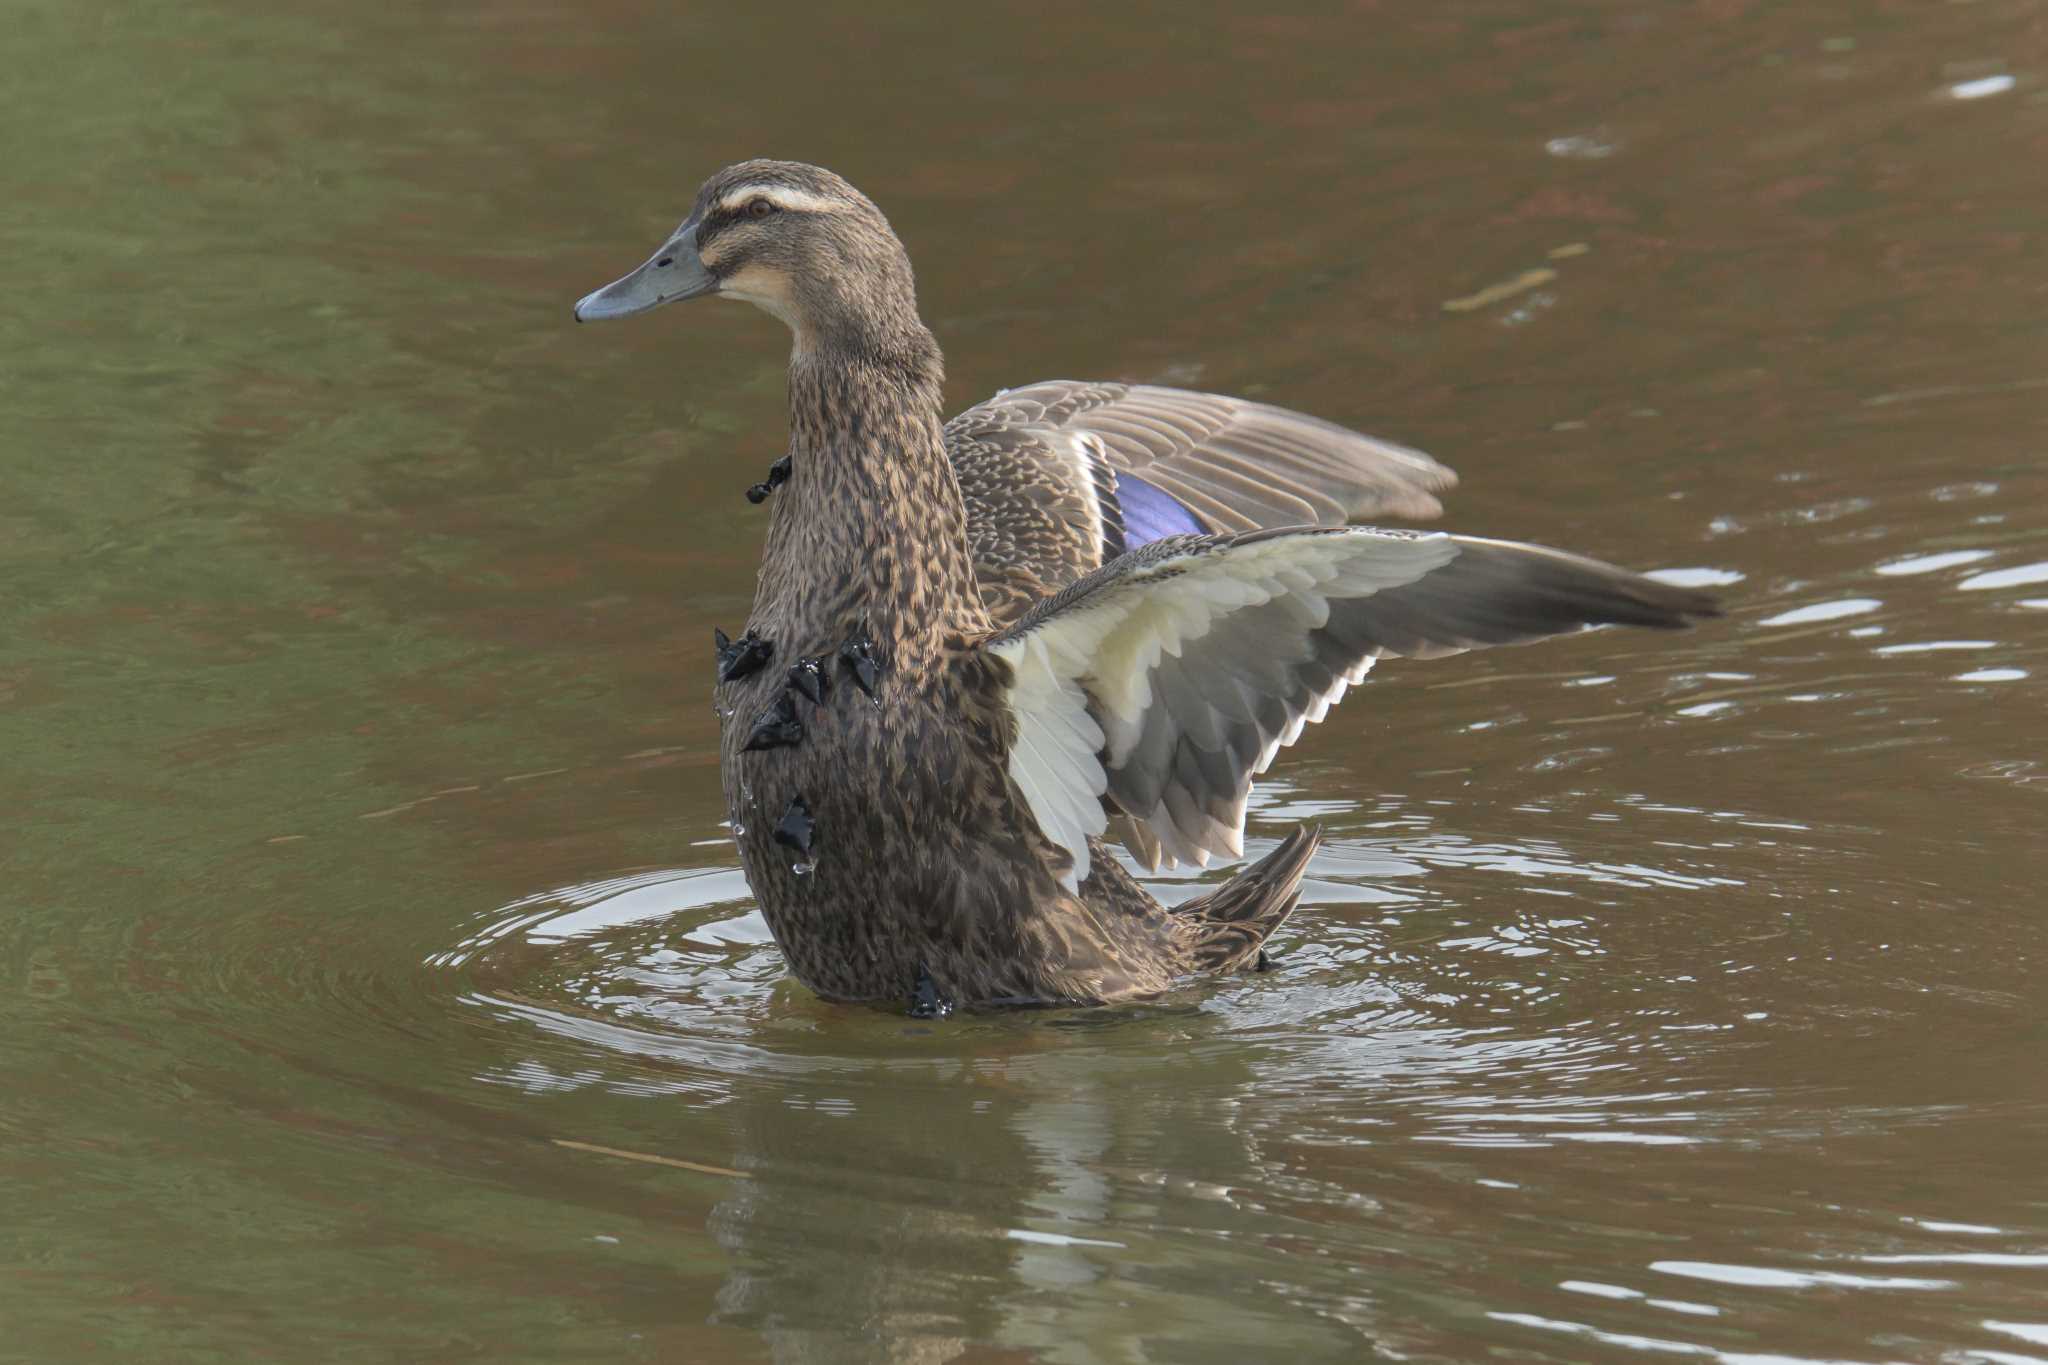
x=2017 y=576
x=1765 y=1277
x=1930 y=563
x=1698 y=577
x=1823 y=611
x=1982 y=88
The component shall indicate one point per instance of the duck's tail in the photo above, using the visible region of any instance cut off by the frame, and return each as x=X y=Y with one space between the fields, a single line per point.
x=1231 y=924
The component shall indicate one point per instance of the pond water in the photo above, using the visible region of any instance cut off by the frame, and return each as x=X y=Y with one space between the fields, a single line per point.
x=379 y=981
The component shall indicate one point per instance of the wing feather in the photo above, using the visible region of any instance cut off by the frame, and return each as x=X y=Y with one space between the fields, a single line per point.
x=1039 y=467
x=1308 y=471
x=1161 y=683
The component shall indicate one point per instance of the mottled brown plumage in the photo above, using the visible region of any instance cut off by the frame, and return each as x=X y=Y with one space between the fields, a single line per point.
x=1041 y=468
x=959 y=689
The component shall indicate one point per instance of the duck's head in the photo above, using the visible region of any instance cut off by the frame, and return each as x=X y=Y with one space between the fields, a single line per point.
x=795 y=240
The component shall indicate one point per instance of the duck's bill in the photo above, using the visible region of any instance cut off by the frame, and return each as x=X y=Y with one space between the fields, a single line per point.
x=674 y=272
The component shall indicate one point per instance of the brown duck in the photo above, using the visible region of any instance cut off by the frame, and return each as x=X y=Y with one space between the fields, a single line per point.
x=978 y=647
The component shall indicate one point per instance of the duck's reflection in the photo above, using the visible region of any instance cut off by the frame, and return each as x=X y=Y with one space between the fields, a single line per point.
x=1019 y=1198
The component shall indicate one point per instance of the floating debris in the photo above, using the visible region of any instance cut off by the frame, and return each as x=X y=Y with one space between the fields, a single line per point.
x=857 y=656
x=778 y=475
x=742 y=657
x=809 y=677
x=1506 y=289
x=776 y=728
x=796 y=829
x=1596 y=144
x=651 y=1158
x=925 y=1000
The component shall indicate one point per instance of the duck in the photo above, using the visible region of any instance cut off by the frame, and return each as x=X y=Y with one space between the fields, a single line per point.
x=981 y=649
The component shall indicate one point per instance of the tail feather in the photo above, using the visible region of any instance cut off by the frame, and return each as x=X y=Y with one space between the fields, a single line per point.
x=1230 y=925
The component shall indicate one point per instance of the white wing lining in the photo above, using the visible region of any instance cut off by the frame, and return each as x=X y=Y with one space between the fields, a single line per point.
x=1087 y=680
x=1053 y=761
x=1159 y=684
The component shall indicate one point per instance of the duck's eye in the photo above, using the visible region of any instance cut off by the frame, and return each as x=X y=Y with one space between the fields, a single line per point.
x=759 y=208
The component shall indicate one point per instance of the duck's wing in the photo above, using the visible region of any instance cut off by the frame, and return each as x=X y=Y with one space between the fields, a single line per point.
x=1062 y=476
x=1158 y=685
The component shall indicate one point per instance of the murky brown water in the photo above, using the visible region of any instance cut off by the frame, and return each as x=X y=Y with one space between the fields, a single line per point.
x=1653 y=997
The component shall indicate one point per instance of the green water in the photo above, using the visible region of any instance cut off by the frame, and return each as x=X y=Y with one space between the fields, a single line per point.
x=378 y=982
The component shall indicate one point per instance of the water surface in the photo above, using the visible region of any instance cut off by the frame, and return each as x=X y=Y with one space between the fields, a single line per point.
x=380 y=984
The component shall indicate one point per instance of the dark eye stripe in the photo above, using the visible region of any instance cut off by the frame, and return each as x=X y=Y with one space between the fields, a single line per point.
x=714 y=224
x=721 y=219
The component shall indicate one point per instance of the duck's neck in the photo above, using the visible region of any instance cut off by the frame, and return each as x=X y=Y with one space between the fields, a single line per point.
x=870 y=526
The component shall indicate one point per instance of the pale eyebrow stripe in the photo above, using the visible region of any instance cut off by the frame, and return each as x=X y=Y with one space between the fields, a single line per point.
x=782 y=196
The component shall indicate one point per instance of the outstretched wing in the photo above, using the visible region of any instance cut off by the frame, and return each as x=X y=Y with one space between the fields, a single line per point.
x=1062 y=476
x=1159 y=684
